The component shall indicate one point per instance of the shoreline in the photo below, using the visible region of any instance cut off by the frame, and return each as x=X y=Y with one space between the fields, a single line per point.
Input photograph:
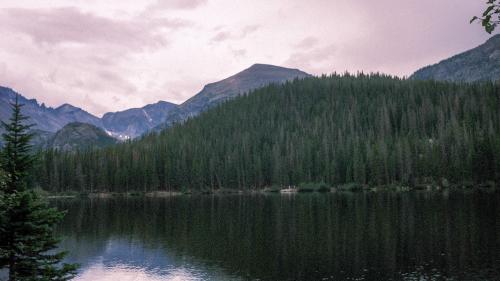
x=284 y=191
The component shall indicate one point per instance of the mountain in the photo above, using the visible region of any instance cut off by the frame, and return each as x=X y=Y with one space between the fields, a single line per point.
x=78 y=135
x=44 y=118
x=480 y=63
x=256 y=76
x=126 y=124
x=348 y=131
x=40 y=138
x=70 y=113
x=134 y=122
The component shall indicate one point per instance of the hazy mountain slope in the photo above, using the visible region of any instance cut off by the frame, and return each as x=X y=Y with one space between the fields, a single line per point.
x=70 y=113
x=256 y=76
x=130 y=123
x=134 y=122
x=44 y=118
x=480 y=63
x=78 y=135
x=40 y=138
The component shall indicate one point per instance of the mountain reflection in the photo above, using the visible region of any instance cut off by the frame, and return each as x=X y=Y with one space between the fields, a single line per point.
x=345 y=236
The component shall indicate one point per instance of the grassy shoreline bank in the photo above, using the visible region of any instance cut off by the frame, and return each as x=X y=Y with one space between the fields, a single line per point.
x=270 y=190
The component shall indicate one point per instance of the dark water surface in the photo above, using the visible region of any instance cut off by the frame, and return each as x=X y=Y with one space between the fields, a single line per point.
x=340 y=236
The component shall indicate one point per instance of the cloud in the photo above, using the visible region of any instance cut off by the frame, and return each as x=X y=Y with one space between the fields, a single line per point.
x=175 y=4
x=64 y=55
x=221 y=36
x=224 y=35
x=111 y=82
x=182 y=88
x=239 y=53
x=315 y=60
x=249 y=29
x=306 y=43
x=92 y=106
x=143 y=51
x=70 y=25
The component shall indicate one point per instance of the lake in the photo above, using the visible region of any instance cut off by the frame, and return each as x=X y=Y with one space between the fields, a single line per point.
x=442 y=235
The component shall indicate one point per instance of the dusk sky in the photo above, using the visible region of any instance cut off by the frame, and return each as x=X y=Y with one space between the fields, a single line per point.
x=105 y=55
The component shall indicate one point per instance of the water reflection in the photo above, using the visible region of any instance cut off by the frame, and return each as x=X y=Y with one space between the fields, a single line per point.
x=361 y=236
x=120 y=259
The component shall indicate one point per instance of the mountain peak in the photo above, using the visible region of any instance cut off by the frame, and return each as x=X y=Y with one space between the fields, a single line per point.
x=478 y=64
x=78 y=134
x=260 y=74
x=160 y=103
x=9 y=93
x=261 y=67
x=67 y=107
x=254 y=77
x=134 y=122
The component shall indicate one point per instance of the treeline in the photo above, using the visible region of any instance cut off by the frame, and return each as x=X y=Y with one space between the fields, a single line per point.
x=338 y=129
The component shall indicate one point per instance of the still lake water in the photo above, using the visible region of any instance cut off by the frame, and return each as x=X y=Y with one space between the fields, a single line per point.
x=340 y=236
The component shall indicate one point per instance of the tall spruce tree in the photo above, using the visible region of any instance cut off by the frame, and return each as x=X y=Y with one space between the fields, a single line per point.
x=27 y=242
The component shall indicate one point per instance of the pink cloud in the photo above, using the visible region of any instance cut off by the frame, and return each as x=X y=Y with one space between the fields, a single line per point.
x=239 y=52
x=313 y=60
x=227 y=35
x=70 y=25
x=307 y=43
x=222 y=36
x=116 y=54
x=175 y=4
x=249 y=29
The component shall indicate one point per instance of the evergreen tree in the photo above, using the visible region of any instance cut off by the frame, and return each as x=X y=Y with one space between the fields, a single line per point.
x=15 y=158
x=27 y=223
x=339 y=129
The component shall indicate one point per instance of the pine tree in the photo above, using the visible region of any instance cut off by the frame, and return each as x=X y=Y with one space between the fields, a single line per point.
x=16 y=159
x=27 y=223
x=369 y=129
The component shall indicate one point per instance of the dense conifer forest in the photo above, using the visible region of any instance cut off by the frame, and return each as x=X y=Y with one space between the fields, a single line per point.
x=339 y=129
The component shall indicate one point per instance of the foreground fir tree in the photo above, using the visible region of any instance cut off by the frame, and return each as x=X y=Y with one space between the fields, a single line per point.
x=27 y=242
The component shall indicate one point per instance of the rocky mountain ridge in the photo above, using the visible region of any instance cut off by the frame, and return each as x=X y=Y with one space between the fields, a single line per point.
x=79 y=135
x=134 y=122
x=125 y=124
x=256 y=76
x=478 y=64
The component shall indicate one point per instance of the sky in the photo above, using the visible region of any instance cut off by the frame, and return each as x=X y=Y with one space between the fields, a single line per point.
x=110 y=55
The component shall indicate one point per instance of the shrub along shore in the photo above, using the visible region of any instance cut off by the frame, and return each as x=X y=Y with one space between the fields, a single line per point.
x=305 y=188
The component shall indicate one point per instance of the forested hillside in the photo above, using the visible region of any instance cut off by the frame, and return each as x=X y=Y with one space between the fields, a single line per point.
x=366 y=129
x=79 y=135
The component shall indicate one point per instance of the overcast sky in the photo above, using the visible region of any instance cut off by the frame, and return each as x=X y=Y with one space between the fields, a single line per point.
x=109 y=55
